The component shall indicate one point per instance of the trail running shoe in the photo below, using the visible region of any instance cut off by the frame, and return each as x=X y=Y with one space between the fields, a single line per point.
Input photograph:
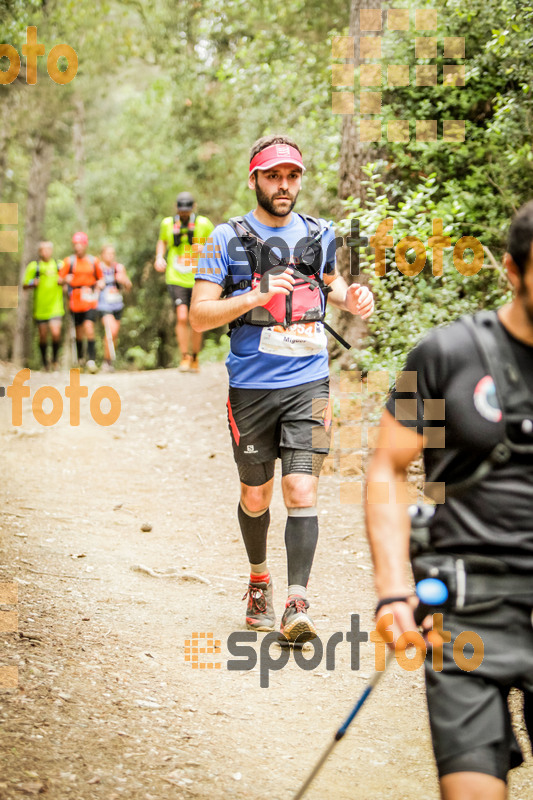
x=185 y=363
x=296 y=625
x=260 y=615
x=194 y=366
x=91 y=366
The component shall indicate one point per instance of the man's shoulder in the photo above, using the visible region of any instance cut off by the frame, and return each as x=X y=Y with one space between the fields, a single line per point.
x=453 y=340
x=225 y=229
x=202 y=220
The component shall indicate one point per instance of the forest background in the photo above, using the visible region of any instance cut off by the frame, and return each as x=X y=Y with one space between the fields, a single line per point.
x=169 y=97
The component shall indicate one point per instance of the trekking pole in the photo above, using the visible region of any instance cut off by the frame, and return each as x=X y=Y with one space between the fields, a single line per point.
x=431 y=592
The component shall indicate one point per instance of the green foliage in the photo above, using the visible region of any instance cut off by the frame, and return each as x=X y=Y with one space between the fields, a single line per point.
x=170 y=96
x=407 y=307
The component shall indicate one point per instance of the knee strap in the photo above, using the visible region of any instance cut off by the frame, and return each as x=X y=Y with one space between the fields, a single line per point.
x=252 y=513
x=310 y=511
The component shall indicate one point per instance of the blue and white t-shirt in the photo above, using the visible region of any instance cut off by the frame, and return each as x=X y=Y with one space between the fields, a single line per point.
x=224 y=261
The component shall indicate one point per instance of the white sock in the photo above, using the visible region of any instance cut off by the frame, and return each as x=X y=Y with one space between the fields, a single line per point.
x=301 y=591
x=259 y=569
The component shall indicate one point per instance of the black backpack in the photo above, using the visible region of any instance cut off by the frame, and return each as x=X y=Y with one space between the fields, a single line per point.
x=307 y=303
x=511 y=391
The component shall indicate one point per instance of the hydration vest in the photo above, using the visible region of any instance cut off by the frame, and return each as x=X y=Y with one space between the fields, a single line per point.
x=513 y=396
x=307 y=301
x=38 y=267
x=83 y=297
x=72 y=264
x=178 y=229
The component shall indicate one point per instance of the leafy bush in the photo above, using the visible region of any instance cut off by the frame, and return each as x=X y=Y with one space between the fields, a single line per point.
x=408 y=306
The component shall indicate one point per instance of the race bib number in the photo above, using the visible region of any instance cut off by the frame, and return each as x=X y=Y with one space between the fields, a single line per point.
x=112 y=295
x=299 y=339
x=88 y=295
x=182 y=265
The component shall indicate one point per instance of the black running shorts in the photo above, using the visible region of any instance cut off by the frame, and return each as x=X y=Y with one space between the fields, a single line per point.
x=81 y=316
x=468 y=713
x=180 y=295
x=262 y=422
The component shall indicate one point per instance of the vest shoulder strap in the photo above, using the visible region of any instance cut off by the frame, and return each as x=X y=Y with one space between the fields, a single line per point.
x=511 y=390
x=312 y=223
x=72 y=262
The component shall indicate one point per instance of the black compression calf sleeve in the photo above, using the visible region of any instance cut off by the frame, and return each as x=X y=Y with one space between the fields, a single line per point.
x=301 y=537
x=55 y=350
x=42 y=348
x=79 y=348
x=91 y=349
x=254 y=533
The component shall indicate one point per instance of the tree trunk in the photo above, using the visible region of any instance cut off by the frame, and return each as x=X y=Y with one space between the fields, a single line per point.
x=353 y=156
x=38 y=181
x=78 y=138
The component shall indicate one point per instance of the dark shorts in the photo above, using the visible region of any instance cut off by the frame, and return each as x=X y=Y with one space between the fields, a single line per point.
x=180 y=295
x=266 y=424
x=46 y=321
x=470 y=721
x=116 y=314
x=81 y=316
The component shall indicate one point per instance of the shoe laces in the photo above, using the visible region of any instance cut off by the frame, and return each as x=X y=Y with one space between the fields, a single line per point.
x=257 y=598
x=299 y=604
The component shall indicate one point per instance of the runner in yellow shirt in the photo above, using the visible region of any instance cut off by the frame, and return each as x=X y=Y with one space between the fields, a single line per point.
x=48 y=310
x=176 y=238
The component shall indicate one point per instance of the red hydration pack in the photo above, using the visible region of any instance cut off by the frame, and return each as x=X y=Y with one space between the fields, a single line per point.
x=307 y=301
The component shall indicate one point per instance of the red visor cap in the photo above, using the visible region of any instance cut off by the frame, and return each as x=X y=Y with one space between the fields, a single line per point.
x=274 y=155
x=80 y=238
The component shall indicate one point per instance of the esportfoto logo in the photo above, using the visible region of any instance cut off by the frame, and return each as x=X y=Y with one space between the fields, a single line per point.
x=272 y=658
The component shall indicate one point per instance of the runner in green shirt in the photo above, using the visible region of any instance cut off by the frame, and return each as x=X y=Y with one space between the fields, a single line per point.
x=177 y=235
x=48 y=311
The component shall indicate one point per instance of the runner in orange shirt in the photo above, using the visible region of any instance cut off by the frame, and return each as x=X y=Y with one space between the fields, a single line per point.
x=85 y=278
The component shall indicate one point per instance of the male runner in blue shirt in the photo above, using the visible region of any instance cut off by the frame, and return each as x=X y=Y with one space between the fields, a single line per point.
x=278 y=403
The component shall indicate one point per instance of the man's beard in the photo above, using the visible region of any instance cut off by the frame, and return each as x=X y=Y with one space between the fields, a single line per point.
x=267 y=202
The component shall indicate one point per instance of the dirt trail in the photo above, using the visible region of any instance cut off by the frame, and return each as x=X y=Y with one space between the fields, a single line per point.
x=106 y=704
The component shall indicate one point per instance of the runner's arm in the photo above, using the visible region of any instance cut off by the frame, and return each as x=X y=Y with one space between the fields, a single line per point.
x=356 y=299
x=100 y=283
x=30 y=281
x=160 y=249
x=122 y=277
x=388 y=524
x=209 y=310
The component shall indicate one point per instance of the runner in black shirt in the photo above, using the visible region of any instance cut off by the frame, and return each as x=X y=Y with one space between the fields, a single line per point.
x=481 y=533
